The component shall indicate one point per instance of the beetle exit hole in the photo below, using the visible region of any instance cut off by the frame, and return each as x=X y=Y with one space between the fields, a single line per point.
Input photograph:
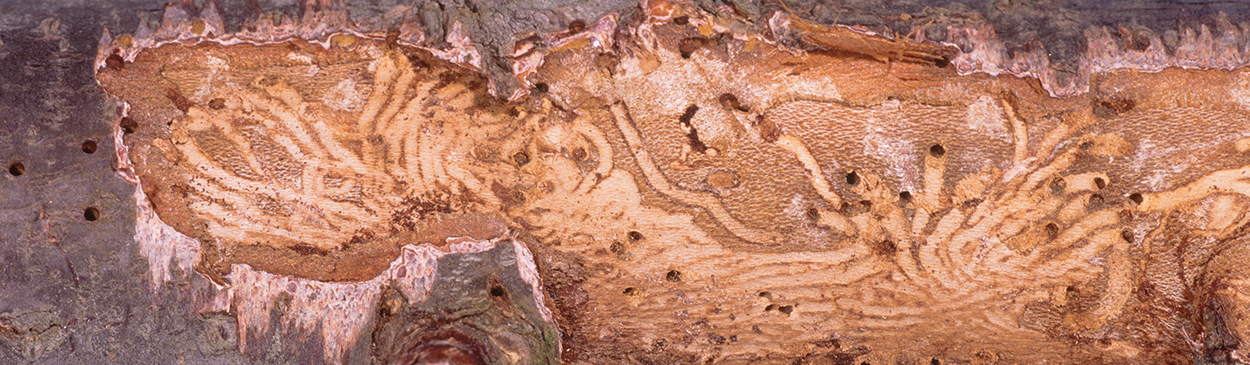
x=91 y=214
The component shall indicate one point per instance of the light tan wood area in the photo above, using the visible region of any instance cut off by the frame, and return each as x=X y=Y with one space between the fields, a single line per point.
x=699 y=198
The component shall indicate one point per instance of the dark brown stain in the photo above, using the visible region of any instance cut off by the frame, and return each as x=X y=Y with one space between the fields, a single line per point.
x=217 y=103
x=1111 y=107
x=692 y=134
x=115 y=62
x=180 y=102
x=769 y=130
x=731 y=102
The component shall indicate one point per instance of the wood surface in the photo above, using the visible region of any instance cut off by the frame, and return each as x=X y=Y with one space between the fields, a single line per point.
x=692 y=195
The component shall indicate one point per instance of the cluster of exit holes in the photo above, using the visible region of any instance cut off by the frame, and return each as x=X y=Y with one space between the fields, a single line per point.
x=91 y=214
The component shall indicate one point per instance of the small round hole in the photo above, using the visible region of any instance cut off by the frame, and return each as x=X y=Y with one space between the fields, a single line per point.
x=770 y=307
x=579 y=154
x=91 y=214
x=1127 y=235
x=1095 y=201
x=630 y=291
x=787 y=309
x=852 y=178
x=937 y=151
x=673 y=276
x=905 y=196
x=1100 y=183
x=1052 y=230
x=115 y=62
x=129 y=125
x=634 y=236
x=496 y=291
x=521 y=158
x=541 y=87
x=681 y=20
x=17 y=169
x=89 y=147
x=934 y=361
x=1136 y=197
x=1057 y=185
x=217 y=103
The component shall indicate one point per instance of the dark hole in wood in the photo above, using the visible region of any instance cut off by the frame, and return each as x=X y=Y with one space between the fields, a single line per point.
x=1052 y=230
x=1100 y=183
x=630 y=291
x=673 y=276
x=521 y=158
x=496 y=291
x=766 y=294
x=541 y=87
x=1095 y=201
x=787 y=309
x=129 y=125
x=17 y=169
x=852 y=178
x=681 y=20
x=91 y=214
x=115 y=62
x=934 y=361
x=771 y=307
x=905 y=196
x=937 y=151
x=89 y=146
x=579 y=154
x=634 y=236
x=217 y=103
x=1127 y=235
x=1135 y=197
x=1057 y=185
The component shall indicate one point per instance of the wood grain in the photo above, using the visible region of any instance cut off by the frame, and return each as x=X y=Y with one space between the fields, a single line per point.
x=734 y=202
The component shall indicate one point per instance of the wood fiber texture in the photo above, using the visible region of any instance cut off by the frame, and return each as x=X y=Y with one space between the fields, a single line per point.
x=691 y=197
